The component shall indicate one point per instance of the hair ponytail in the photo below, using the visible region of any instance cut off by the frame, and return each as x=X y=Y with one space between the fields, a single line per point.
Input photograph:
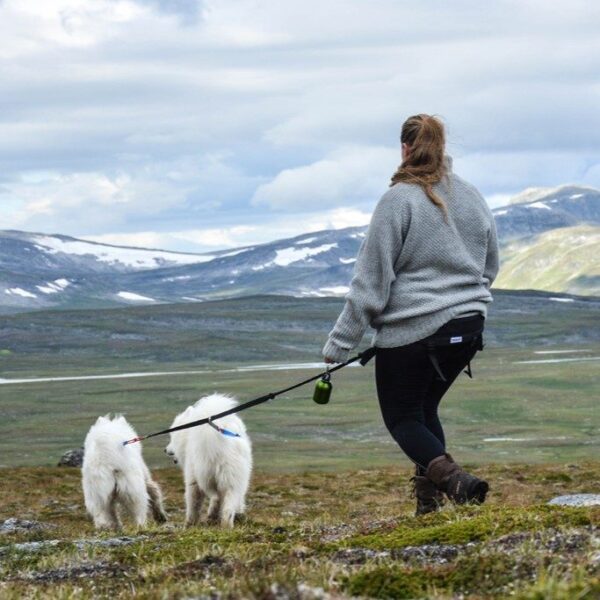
x=425 y=164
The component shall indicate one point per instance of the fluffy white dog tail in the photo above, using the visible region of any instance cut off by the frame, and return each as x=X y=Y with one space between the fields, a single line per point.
x=113 y=473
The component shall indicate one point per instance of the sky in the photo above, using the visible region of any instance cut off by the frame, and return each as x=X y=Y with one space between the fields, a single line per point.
x=196 y=125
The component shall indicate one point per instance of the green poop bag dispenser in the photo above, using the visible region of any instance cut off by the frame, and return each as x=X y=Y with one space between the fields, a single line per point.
x=323 y=389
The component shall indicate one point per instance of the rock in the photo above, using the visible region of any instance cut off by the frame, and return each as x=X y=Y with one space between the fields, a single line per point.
x=301 y=592
x=71 y=458
x=14 y=525
x=124 y=540
x=29 y=547
x=552 y=540
x=358 y=556
x=576 y=500
x=437 y=554
x=306 y=592
x=80 y=571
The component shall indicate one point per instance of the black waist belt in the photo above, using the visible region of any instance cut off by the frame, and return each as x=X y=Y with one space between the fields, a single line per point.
x=473 y=340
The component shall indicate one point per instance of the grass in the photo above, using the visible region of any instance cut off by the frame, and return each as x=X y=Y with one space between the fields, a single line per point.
x=549 y=411
x=329 y=505
x=295 y=534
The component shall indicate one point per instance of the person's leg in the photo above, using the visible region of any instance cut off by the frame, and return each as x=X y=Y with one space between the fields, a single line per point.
x=403 y=376
x=453 y=360
x=448 y=477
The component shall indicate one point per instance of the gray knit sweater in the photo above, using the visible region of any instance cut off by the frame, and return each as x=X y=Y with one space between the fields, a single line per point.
x=414 y=271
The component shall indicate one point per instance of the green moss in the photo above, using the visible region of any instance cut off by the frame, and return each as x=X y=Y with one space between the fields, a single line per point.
x=484 y=574
x=470 y=525
x=388 y=583
x=556 y=587
x=280 y=542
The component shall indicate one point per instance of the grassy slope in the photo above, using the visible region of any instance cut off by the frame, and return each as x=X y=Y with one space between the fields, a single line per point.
x=330 y=492
x=345 y=532
x=244 y=330
x=548 y=408
x=550 y=411
x=561 y=260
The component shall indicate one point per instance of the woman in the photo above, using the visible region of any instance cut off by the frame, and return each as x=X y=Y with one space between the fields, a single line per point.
x=422 y=280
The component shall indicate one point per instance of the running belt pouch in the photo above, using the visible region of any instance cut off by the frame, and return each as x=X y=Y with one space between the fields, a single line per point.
x=443 y=338
x=474 y=339
x=451 y=340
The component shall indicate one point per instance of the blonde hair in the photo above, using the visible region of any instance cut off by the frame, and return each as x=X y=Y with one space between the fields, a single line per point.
x=425 y=164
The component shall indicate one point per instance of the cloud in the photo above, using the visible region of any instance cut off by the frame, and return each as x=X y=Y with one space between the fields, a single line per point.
x=265 y=109
x=234 y=236
x=87 y=203
x=499 y=173
x=355 y=175
x=188 y=10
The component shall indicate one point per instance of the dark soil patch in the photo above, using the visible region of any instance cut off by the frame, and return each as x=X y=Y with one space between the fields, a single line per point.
x=202 y=566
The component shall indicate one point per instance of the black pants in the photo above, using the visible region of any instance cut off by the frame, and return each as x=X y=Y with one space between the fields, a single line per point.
x=410 y=389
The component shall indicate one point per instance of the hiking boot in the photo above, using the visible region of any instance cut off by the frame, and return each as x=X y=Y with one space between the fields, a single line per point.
x=461 y=487
x=429 y=498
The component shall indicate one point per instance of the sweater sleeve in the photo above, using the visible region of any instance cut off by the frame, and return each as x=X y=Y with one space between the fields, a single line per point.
x=492 y=262
x=373 y=276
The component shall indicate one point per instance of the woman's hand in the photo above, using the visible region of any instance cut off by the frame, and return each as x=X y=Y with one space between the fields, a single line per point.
x=328 y=361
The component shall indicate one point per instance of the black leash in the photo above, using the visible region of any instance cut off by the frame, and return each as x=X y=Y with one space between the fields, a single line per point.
x=364 y=357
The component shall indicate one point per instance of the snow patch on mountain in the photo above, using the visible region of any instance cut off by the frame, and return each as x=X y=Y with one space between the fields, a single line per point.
x=135 y=297
x=138 y=258
x=232 y=253
x=287 y=256
x=347 y=261
x=53 y=287
x=305 y=241
x=532 y=194
x=19 y=292
x=178 y=278
x=335 y=290
x=538 y=205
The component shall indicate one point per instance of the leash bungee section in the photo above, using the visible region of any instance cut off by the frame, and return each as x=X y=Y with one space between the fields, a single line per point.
x=364 y=357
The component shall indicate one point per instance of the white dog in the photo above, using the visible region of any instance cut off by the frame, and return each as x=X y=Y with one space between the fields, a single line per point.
x=214 y=465
x=114 y=475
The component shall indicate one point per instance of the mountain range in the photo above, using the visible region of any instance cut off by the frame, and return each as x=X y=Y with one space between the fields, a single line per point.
x=549 y=237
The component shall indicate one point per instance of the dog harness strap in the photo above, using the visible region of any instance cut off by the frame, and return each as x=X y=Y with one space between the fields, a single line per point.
x=222 y=430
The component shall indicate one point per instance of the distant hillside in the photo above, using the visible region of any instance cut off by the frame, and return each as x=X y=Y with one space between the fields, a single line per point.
x=563 y=260
x=255 y=328
x=543 y=209
x=39 y=271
